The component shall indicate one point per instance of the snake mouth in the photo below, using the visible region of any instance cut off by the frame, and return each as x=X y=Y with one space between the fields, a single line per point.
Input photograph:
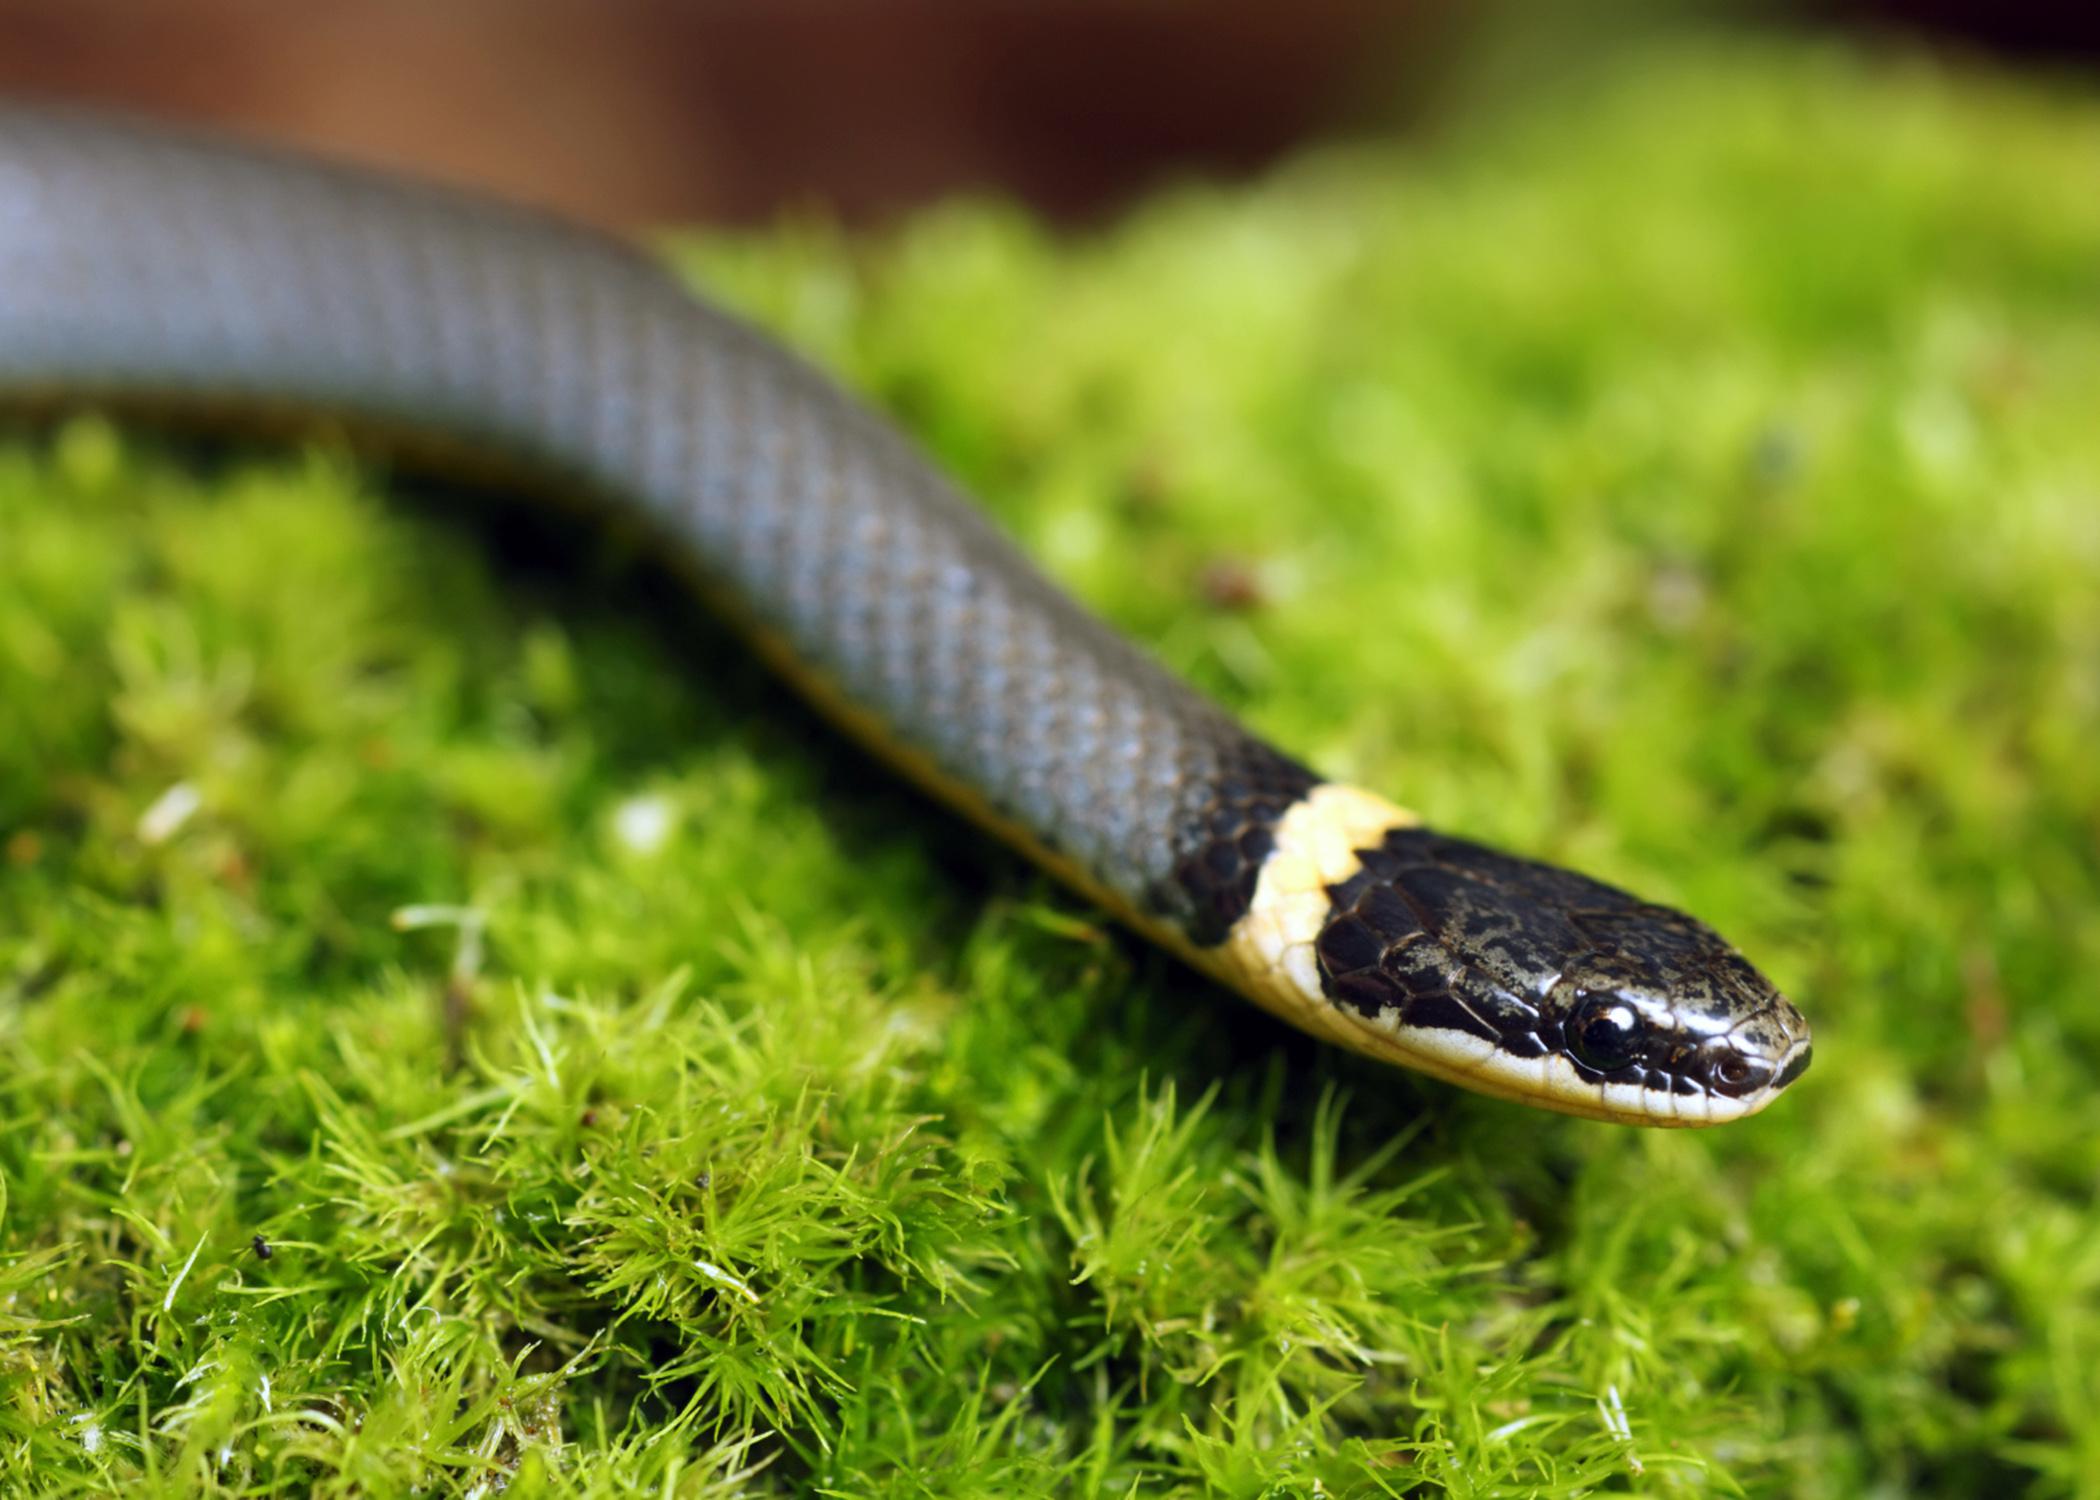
x=1552 y=1080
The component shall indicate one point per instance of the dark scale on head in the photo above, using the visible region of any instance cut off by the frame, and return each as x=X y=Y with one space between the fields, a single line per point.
x=1537 y=960
x=1226 y=835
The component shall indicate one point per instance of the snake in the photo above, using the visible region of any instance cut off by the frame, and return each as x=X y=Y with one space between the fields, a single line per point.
x=148 y=269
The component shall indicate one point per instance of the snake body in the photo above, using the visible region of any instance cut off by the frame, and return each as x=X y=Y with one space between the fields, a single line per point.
x=145 y=268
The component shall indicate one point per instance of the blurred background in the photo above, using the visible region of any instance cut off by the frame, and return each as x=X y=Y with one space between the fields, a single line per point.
x=657 y=111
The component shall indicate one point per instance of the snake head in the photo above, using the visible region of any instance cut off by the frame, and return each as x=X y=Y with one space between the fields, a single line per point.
x=1528 y=981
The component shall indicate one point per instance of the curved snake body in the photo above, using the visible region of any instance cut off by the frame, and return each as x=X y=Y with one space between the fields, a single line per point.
x=143 y=267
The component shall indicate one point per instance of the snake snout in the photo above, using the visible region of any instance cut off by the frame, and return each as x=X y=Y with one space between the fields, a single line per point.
x=1760 y=1055
x=1785 y=1031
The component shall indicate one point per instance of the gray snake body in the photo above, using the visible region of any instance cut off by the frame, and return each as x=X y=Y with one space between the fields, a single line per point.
x=144 y=268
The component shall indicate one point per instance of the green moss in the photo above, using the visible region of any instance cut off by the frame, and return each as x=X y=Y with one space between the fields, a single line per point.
x=1694 y=480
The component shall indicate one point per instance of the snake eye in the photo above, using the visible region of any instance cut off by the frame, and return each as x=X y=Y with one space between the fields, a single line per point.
x=1602 y=1033
x=1733 y=1070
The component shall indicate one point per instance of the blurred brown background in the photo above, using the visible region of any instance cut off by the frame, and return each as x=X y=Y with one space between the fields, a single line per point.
x=631 y=111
